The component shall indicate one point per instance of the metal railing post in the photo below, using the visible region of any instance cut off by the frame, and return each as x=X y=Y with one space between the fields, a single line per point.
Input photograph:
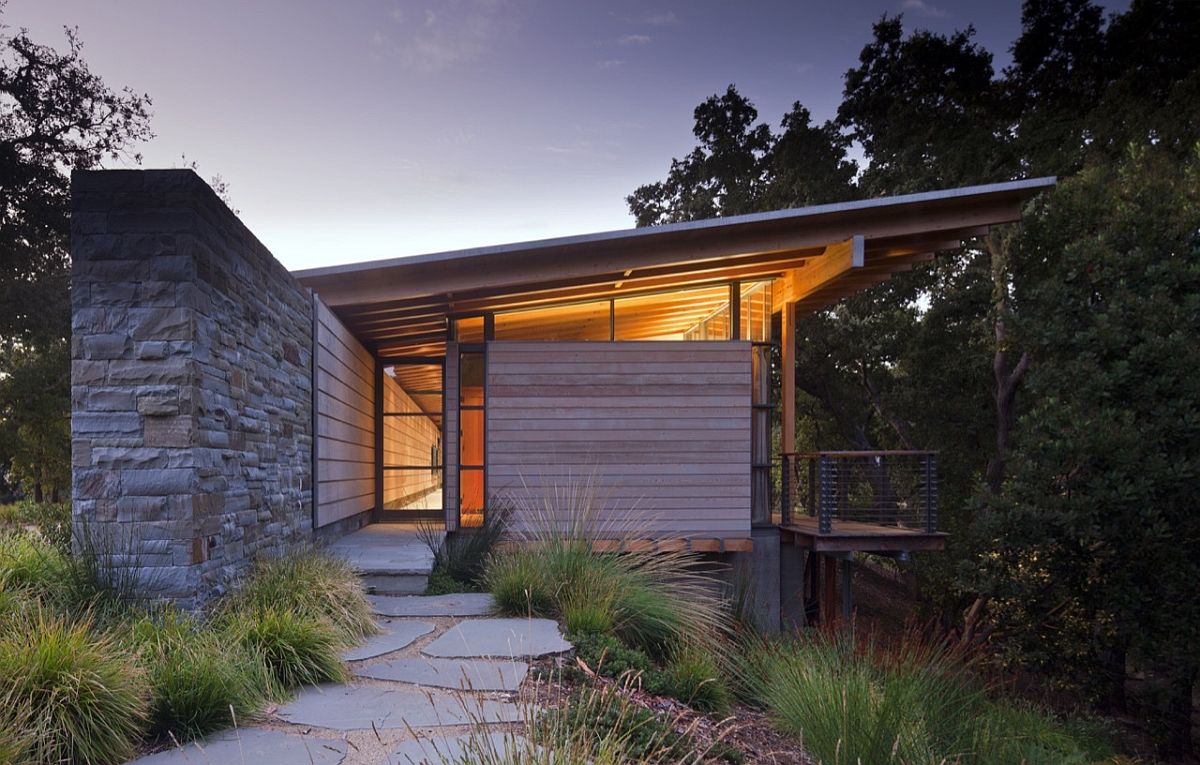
x=827 y=472
x=931 y=518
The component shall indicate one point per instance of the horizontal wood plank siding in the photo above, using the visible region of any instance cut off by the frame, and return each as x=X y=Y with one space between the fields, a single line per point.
x=345 y=422
x=662 y=430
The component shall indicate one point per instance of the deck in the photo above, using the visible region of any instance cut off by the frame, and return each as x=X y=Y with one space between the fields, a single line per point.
x=855 y=536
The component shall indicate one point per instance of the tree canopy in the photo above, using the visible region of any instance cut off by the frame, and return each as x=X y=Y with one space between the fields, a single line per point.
x=1015 y=355
x=55 y=116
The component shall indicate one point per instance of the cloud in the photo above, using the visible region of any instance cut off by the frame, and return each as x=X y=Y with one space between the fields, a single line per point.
x=446 y=33
x=634 y=40
x=924 y=8
x=610 y=63
x=662 y=19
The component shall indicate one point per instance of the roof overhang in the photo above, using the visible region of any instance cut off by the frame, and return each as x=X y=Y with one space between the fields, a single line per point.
x=825 y=252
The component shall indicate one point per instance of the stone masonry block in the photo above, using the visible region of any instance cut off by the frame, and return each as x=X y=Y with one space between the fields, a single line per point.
x=161 y=323
x=158 y=403
x=158 y=483
x=169 y=432
x=106 y=346
x=105 y=423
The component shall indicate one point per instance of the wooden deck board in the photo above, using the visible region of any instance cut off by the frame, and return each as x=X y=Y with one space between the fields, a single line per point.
x=854 y=536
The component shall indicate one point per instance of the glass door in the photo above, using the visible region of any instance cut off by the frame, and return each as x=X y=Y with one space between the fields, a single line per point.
x=412 y=438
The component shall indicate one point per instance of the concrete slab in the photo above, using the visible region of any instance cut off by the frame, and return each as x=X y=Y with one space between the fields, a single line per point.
x=506 y=638
x=458 y=749
x=357 y=707
x=390 y=549
x=251 y=745
x=459 y=674
x=396 y=634
x=460 y=604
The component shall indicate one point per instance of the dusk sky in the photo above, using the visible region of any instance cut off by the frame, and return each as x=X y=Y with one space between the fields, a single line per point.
x=367 y=129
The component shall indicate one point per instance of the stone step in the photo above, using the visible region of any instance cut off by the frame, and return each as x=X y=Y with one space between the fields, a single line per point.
x=394 y=583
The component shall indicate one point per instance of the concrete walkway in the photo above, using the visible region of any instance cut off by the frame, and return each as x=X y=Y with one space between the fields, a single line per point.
x=440 y=672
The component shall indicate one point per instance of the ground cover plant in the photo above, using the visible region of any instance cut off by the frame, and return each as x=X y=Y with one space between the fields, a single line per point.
x=912 y=701
x=459 y=558
x=658 y=613
x=89 y=673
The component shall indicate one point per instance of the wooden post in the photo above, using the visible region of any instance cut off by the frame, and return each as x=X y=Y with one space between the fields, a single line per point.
x=787 y=376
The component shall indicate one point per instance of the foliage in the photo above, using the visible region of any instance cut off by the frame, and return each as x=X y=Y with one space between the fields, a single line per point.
x=653 y=600
x=1084 y=554
x=28 y=563
x=617 y=730
x=199 y=683
x=914 y=701
x=80 y=692
x=459 y=558
x=51 y=520
x=299 y=648
x=55 y=115
x=310 y=584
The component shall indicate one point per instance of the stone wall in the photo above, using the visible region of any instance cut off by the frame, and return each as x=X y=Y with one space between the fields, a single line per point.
x=191 y=383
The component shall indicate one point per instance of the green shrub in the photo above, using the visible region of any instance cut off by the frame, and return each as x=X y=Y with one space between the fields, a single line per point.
x=441 y=583
x=912 y=702
x=198 y=682
x=307 y=584
x=30 y=563
x=49 y=520
x=582 y=618
x=298 y=648
x=692 y=676
x=83 y=692
x=518 y=585
x=606 y=655
x=460 y=557
x=613 y=729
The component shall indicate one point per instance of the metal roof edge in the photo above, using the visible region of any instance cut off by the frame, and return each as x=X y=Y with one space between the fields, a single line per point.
x=795 y=213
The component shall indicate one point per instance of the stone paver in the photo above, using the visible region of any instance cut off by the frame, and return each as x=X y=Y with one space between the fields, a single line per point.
x=396 y=635
x=357 y=707
x=461 y=604
x=506 y=638
x=385 y=548
x=252 y=745
x=452 y=749
x=459 y=674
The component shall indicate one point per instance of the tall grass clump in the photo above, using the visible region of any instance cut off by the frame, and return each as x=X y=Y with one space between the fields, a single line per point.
x=69 y=693
x=298 y=649
x=307 y=584
x=598 y=725
x=913 y=701
x=654 y=601
x=459 y=558
x=30 y=564
x=199 y=682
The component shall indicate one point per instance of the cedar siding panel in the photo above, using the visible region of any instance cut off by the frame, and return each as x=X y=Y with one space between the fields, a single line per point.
x=345 y=422
x=662 y=429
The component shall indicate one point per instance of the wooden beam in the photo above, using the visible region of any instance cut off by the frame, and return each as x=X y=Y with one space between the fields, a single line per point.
x=787 y=375
x=839 y=260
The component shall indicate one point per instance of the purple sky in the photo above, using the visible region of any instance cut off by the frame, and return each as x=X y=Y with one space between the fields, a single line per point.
x=366 y=129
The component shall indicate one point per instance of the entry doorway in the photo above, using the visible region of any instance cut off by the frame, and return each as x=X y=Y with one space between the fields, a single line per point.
x=412 y=438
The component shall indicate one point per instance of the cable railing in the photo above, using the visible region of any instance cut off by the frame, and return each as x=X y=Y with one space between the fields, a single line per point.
x=882 y=488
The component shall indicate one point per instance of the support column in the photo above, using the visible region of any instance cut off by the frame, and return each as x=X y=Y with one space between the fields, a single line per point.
x=787 y=376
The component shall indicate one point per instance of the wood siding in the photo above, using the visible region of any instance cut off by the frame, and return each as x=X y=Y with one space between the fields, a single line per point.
x=345 y=422
x=409 y=441
x=450 y=450
x=662 y=429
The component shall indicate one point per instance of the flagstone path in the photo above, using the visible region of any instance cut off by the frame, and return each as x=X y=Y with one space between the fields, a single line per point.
x=440 y=669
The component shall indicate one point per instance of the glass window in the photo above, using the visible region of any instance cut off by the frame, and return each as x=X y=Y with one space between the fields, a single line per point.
x=469 y=330
x=756 y=312
x=696 y=314
x=578 y=321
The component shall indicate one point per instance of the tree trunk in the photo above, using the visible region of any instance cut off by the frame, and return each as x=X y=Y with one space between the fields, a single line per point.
x=1178 y=718
x=1113 y=699
x=1007 y=374
x=38 y=492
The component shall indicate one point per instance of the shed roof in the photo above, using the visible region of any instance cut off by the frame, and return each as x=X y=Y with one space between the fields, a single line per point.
x=399 y=306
